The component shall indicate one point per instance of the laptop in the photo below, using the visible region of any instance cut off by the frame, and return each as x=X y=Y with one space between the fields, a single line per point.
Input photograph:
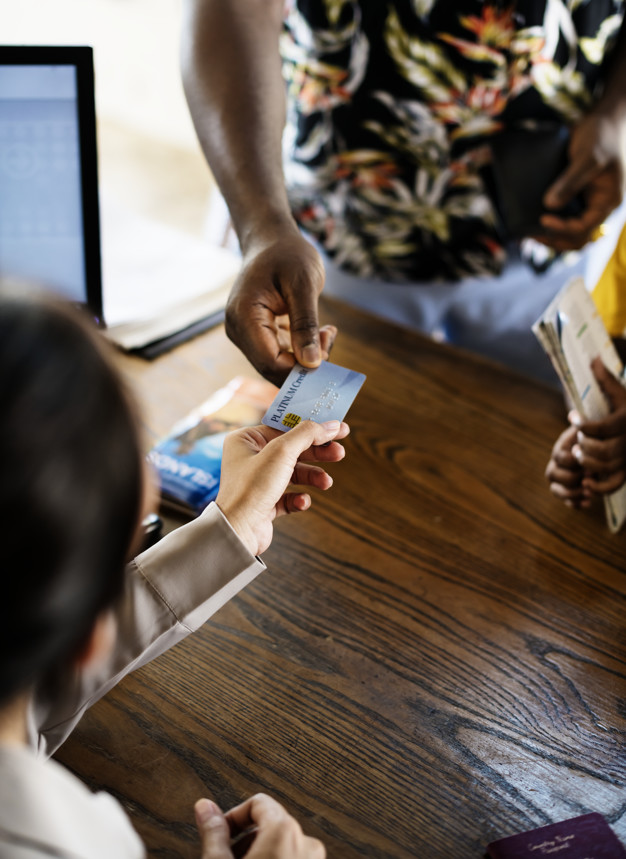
x=49 y=215
x=160 y=288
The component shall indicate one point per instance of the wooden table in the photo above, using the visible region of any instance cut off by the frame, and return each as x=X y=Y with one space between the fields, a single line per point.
x=436 y=656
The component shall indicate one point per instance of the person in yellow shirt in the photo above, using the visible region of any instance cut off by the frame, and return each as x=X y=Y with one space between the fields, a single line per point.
x=609 y=293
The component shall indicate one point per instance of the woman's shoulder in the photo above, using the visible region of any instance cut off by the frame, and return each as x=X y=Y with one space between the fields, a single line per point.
x=47 y=811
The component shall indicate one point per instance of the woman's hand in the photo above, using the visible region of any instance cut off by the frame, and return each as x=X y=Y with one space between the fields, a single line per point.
x=274 y=833
x=259 y=464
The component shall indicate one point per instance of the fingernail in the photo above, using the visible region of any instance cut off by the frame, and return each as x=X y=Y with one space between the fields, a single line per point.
x=577 y=452
x=311 y=354
x=206 y=810
x=580 y=437
x=331 y=426
x=552 y=200
x=574 y=418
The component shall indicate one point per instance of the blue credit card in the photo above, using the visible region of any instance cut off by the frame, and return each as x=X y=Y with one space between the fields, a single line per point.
x=324 y=393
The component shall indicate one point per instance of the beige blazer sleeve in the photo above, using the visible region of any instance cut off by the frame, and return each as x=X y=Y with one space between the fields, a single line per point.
x=170 y=591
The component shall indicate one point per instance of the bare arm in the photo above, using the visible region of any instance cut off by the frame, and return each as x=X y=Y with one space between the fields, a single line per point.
x=236 y=94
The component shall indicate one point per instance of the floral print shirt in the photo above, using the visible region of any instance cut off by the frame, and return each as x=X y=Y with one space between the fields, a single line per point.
x=391 y=104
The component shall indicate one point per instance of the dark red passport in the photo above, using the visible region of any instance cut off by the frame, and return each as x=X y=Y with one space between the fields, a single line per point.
x=586 y=837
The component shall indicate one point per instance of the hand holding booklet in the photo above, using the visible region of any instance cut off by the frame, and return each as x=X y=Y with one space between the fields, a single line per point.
x=572 y=333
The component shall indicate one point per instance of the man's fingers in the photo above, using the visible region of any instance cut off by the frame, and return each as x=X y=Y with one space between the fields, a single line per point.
x=564 y=234
x=564 y=476
x=562 y=450
x=562 y=244
x=612 y=387
x=603 y=484
x=592 y=464
x=563 y=458
x=304 y=325
x=593 y=455
x=571 y=497
x=571 y=182
x=582 y=225
x=256 y=333
x=214 y=830
x=252 y=322
x=328 y=334
x=579 y=230
x=258 y=337
x=611 y=427
x=567 y=485
x=564 y=473
x=603 y=193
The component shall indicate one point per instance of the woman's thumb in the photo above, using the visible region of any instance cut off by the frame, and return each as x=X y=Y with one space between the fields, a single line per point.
x=214 y=830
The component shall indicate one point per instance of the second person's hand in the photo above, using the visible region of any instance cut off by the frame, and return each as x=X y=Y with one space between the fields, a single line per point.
x=589 y=457
x=596 y=171
x=600 y=447
x=565 y=474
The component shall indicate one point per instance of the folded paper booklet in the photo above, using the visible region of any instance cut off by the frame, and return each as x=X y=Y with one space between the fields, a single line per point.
x=572 y=333
x=189 y=459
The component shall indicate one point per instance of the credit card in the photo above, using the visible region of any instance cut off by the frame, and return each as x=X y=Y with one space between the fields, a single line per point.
x=324 y=393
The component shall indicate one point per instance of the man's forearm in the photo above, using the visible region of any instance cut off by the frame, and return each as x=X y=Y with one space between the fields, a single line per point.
x=236 y=95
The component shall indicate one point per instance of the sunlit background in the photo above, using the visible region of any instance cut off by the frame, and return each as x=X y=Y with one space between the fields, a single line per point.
x=149 y=157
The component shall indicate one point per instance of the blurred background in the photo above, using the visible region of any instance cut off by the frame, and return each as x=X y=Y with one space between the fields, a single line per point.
x=149 y=158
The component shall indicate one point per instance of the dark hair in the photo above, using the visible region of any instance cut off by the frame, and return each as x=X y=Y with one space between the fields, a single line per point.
x=70 y=485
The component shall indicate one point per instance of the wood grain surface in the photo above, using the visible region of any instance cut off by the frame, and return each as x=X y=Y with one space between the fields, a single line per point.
x=436 y=655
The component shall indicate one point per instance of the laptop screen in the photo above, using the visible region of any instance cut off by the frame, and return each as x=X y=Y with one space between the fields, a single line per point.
x=49 y=223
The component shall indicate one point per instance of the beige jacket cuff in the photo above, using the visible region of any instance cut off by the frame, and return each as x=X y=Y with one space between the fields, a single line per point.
x=196 y=569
